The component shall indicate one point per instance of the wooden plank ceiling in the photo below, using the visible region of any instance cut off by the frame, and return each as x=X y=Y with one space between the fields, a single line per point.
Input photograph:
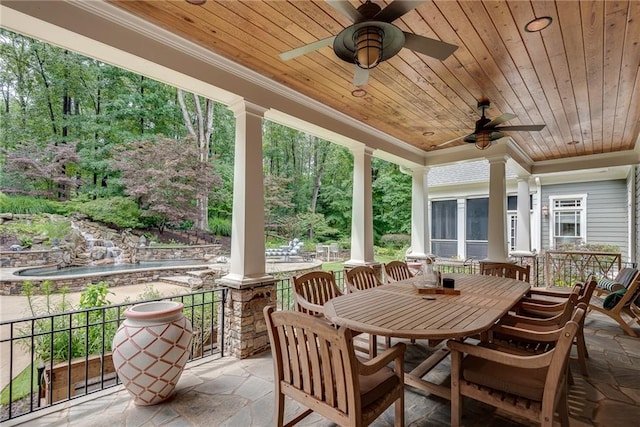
x=580 y=77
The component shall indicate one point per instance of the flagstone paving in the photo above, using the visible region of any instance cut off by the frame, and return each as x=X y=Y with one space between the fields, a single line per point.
x=231 y=392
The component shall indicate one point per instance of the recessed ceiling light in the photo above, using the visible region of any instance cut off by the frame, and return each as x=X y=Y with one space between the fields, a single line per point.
x=196 y=2
x=358 y=93
x=538 y=24
x=573 y=142
x=428 y=133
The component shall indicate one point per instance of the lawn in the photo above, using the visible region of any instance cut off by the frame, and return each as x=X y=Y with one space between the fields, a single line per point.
x=21 y=386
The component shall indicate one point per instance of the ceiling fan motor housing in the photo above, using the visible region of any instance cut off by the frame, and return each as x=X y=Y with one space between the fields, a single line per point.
x=368 y=10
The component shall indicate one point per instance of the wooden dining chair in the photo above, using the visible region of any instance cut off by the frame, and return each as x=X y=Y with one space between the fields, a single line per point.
x=395 y=271
x=315 y=365
x=505 y=269
x=531 y=386
x=311 y=290
x=536 y=340
x=360 y=278
x=546 y=307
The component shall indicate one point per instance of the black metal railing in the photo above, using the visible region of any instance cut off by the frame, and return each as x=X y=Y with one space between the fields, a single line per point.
x=62 y=356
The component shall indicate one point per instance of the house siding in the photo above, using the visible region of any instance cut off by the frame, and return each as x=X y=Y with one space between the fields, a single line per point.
x=607 y=214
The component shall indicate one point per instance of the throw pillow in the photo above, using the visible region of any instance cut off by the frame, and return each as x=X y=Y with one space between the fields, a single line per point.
x=613 y=298
x=609 y=285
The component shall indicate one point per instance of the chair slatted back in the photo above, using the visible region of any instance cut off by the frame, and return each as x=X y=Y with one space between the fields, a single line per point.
x=396 y=271
x=316 y=287
x=361 y=278
x=315 y=363
x=508 y=270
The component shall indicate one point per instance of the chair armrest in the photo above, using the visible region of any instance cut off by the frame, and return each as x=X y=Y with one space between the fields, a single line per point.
x=383 y=359
x=527 y=362
x=549 y=293
x=510 y=319
x=547 y=307
x=527 y=334
x=317 y=308
x=544 y=301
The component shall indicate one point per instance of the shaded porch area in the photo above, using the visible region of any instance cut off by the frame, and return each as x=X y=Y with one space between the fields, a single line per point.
x=232 y=392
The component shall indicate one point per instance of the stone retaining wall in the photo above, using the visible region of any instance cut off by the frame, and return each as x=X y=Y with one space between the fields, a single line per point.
x=204 y=252
x=14 y=287
x=16 y=259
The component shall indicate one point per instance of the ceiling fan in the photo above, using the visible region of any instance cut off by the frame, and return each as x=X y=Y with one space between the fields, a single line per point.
x=372 y=38
x=486 y=130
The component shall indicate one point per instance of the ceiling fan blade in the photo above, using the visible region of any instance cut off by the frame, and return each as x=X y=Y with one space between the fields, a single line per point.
x=360 y=76
x=448 y=142
x=505 y=117
x=347 y=9
x=526 y=128
x=396 y=9
x=307 y=48
x=430 y=47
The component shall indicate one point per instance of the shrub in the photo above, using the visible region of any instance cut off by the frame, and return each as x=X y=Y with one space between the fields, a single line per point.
x=220 y=226
x=396 y=241
x=119 y=211
x=44 y=226
x=27 y=205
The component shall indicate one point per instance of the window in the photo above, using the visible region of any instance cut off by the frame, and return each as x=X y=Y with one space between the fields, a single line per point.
x=477 y=228
x=568 y=221
x=444 y=229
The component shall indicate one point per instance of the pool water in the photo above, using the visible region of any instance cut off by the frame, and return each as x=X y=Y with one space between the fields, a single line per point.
x=70 y=271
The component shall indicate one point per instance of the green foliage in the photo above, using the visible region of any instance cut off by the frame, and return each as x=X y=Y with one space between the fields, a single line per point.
x=220 y=226
x=396 y=241
x=149 y=293
x=70 y=334
x=27 y=205
x=25 y=241
x=95 y=296
x=391 y=199
x=386 y=254
x=43 y=226
x=120 y=211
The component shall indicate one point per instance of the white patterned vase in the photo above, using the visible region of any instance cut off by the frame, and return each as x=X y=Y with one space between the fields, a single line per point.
x=150 y=350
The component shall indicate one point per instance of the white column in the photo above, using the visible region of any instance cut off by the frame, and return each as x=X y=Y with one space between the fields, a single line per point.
x=420 y=230
x=462 y=228
x=247 y=224
x=362 y=210
x=497 y=210
x=523 y=235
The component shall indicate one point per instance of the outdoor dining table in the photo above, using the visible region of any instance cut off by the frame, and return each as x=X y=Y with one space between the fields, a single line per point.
x=400 y=310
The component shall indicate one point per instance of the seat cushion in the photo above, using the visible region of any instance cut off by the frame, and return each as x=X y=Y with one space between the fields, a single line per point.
x=373 y=387
x=609 y=285
x=527 y=383
x=613 y=298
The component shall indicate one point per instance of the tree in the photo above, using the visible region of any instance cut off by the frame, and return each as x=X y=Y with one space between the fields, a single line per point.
x=37 y=170
x=199 y=123
x=166 y=177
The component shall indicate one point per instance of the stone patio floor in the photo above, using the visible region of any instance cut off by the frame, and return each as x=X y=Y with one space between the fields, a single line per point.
x=231 y=392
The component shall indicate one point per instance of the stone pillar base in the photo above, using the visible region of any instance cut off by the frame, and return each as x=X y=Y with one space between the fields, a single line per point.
x=245 y=330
